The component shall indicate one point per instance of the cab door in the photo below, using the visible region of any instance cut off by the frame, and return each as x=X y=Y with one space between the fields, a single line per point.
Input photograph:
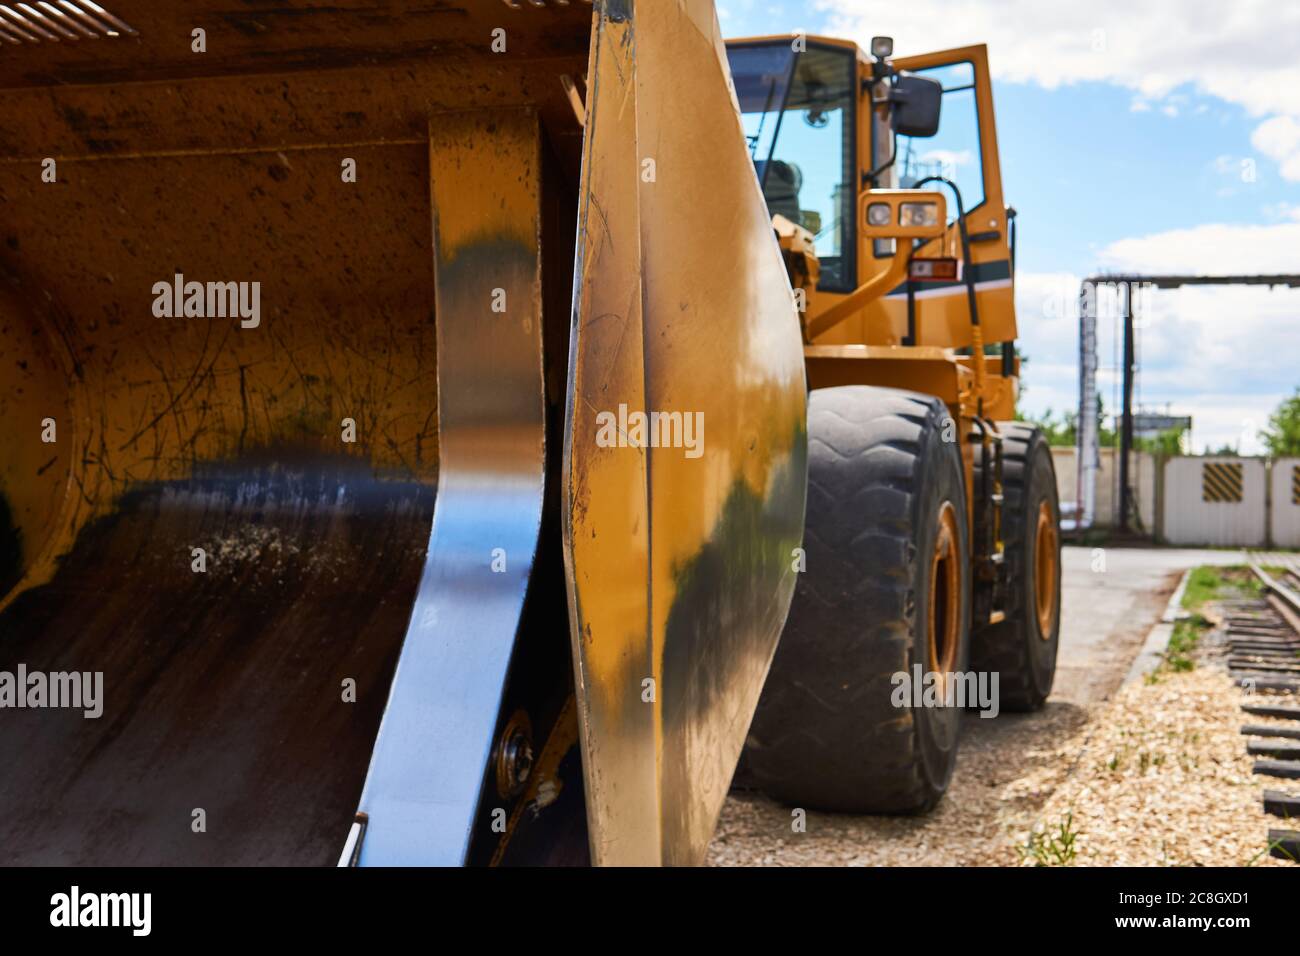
x=965 y=151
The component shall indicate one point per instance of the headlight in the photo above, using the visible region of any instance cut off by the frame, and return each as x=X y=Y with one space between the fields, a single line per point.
x=918 y=214
x=878 y=214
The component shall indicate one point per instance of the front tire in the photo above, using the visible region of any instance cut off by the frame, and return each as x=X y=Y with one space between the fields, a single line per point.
x=887 y=586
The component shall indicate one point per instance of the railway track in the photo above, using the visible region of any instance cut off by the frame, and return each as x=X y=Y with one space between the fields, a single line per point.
x=1263 y=639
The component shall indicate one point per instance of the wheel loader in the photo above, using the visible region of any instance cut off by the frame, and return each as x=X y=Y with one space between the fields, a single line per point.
x=451 y=431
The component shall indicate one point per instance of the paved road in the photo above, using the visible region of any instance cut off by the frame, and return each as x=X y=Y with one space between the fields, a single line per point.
x=1110 y=599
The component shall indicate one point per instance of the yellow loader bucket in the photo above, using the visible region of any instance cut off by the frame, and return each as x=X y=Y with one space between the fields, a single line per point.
x=682 y=559
x=290 y=495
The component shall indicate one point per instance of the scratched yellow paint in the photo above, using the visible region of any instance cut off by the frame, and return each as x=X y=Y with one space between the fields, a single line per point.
x=140 y=398
x=607 y=524
x=491 y=155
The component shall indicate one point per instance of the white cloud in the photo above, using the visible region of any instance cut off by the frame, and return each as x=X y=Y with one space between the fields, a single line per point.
x=949 y=159
x=1246 y=53
x=1047 y=314
x=1279 y=139
x=1211 y=248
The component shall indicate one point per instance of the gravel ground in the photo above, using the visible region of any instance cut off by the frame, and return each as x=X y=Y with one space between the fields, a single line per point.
x=1155 y=775
x=1163 y=779
x=1007 y=769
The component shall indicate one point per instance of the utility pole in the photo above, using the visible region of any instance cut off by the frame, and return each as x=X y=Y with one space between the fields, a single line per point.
x=1126 y=420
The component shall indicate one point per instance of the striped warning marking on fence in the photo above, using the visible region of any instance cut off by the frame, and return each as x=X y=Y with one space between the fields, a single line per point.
x=1295 y=484
x=1221 y=481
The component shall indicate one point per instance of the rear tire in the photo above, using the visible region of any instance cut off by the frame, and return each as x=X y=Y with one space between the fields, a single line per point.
x=886 y=501
x=1022 y=648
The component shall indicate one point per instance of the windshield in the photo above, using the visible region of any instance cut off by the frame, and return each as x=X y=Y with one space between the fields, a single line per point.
x=799 y=122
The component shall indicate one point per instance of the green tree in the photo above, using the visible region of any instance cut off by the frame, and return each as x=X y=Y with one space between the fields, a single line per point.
x=1282 y=434
x=1059 y=432
x=1168 y=443
x=1063 y=430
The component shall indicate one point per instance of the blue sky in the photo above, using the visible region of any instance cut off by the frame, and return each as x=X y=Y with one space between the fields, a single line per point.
x=1154 y=135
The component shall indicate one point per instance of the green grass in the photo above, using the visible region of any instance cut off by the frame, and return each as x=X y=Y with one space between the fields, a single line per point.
x=1203 y=585
x=1052 y=846
x=1268 y=851
x=1187 y=634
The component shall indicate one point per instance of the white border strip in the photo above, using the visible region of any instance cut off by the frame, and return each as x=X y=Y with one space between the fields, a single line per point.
x=959 y=289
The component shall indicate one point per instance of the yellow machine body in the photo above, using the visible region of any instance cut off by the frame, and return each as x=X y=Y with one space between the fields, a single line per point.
x=405 y=412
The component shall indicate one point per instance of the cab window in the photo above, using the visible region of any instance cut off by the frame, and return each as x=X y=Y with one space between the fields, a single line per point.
x=798 y=110
x=954 y=152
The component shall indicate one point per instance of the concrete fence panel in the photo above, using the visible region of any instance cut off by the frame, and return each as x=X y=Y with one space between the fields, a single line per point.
x=1216 y=501
x=1286 y=503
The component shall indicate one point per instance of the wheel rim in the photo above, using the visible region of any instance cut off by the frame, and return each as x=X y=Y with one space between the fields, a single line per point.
x=945 y=596
x=1045 y=554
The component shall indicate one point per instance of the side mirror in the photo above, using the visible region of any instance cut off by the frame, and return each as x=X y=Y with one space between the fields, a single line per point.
x=917 y=100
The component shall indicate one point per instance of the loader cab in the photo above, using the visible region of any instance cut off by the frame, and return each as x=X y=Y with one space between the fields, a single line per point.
x=827 y=121
x=807 y=119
